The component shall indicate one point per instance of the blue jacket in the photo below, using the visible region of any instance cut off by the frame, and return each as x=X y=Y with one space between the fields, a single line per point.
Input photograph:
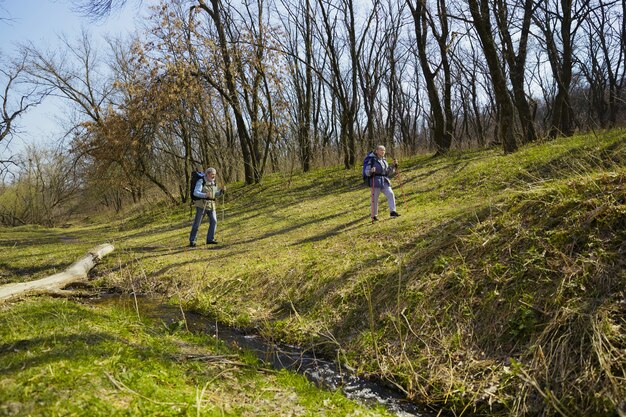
x=383 y=172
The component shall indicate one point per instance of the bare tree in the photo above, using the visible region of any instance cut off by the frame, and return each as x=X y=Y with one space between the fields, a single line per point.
x=2 y=12
x=98 y=9
x=371 y=68
x=516 y=59
x=559 y=22
x=262 y=90
x=73 y=73
x=481 y=15
x=397 y=107
x=344 y=41
x=350 y=84
x=475 y=94
x=77 y=75
x=17 y=96
x=603 y=62
x=227 y=80
x=298 y=24
x=440 y=106
x=42 y=191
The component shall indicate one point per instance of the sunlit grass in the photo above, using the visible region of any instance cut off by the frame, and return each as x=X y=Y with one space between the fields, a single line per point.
x=63 y=358
x=489 y=254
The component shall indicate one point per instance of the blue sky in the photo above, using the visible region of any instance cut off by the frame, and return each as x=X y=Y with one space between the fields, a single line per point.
x=42 y=22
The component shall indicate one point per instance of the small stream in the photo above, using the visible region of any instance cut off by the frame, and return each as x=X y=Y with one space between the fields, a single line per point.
x=324 y=373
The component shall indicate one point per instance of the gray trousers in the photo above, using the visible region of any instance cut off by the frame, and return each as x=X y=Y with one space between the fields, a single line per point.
x=391 y=199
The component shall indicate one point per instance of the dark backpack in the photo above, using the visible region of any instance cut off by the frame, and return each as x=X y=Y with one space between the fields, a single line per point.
x=195 y=176
x=367 y=164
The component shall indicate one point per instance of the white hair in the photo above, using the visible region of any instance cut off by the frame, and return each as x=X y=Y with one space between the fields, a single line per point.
x=211 y=170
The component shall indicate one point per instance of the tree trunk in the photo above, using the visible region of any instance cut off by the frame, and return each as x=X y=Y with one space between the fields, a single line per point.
x=77 y=272
x=231 y=93
x=505 y=131
x=517 y=62
x=441 y=134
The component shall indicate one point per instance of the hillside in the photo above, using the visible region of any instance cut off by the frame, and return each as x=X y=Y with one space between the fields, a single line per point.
x=501 y=289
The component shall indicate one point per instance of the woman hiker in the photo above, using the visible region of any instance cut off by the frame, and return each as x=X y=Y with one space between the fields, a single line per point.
x=204 y=193
x=379 y=172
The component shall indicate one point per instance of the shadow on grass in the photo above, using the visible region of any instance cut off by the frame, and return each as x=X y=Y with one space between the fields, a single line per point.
x=288 y=229
x=343 y=228
x=47 y=239
x=78 y=347
x=577 y=161
x=157 y=230
x=53 y=348
x=23 y=274
x=200 y=254
x=384 y=287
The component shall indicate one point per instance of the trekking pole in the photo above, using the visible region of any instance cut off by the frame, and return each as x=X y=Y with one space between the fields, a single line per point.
x=401 y=189
x=372 y=203
x=223 y=209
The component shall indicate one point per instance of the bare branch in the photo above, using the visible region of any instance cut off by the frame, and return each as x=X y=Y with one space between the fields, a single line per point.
x=97 y=9
x=17 y=95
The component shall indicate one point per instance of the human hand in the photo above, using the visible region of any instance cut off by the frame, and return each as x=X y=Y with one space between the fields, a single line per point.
x=372 y=170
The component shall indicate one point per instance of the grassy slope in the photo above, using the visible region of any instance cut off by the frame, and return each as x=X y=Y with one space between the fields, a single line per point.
x=60 y=358
x=500 y=289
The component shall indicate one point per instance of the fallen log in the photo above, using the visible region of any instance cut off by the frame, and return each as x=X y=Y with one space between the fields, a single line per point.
x=77 y=272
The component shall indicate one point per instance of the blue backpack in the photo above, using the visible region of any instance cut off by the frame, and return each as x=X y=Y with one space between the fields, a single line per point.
x=367 y=164
x=195 y=176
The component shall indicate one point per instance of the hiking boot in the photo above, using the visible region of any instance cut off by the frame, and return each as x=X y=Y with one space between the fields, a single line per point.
x=192 y=244
x=394 y=214
x=211 y=242
x=375 y=219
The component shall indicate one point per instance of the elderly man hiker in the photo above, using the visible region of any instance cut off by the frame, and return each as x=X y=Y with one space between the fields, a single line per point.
x=205 y=191
x=379 y=171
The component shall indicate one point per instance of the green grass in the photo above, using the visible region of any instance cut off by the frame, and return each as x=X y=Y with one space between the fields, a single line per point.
x=500 y=289
x=62 y=358
x=30 y=252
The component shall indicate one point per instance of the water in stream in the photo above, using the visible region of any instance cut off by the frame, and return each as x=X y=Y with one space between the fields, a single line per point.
x=325 y=373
